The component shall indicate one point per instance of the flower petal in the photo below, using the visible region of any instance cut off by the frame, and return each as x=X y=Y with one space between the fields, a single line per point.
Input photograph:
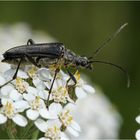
x=3 y=119
x=2 y=80
x=44 y=74
x=75 y=126
x=70 y=106
x=55 y=109
x=22 y=74
x=137 y=135
x=15 y=95
x=64 y=136
x=52 y=123
x=89 y=89
x=5 y=100
x=42 y=104
x=41 y=125
x=72 y=131
x=48 y=84
x=44 y=113
x=20 y=120
x=21 y=105
x=5 y=91
x=32 y=90
x=9 y=73
x=28 y=97
x=58 y=83
x=43 y=138
x=80 y=93
x=43 y=94
x=38 y=83
x=64 y=76
x=52 y=113
x=138 y=119
x=32 y=114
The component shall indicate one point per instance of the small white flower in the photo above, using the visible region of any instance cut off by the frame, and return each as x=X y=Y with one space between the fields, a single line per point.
x=60 y=95
x=9 y=92
x=52 y=112
x=19 y=82
x=53 y=133
x=67 y=121
x=36 y=104
x=51 y=129
x=82 y=88
x=10 y=110
x=59 y=92
x=61 y=116
x=21 y=85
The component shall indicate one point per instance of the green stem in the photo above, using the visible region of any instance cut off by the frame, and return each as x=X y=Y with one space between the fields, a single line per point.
x=25 y=133
x=35 y=134
x=11 y=130
x=10 y=134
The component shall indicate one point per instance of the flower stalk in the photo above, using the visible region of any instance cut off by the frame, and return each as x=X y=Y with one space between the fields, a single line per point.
x=11 y=130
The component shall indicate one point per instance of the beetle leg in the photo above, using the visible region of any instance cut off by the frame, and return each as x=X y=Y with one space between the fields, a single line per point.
x=32 y=61
x=71 y=77
x=37 y=59
x=15 y=75
x=50 y=90
x=30 y=42
x=0 y=103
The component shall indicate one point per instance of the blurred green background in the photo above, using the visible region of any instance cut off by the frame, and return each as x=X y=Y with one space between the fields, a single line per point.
x=82 y=27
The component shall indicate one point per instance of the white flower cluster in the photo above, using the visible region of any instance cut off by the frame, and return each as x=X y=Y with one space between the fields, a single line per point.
x=25 y=99
x=104 y=121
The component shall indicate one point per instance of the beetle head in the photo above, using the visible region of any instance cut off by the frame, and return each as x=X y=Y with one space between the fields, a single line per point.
x=84 y=62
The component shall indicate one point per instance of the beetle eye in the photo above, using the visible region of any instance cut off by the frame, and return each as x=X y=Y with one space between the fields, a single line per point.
x=83 y=63
x=62 y=48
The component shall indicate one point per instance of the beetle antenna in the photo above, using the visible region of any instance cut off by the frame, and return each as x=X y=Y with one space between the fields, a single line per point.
x=109 y=39
x=117 y=66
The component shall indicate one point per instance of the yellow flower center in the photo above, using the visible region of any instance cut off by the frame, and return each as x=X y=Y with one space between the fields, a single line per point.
x=52 y=67
x=66 y=118
x=32 y=72
x=60 y=95
x=36 y=103
x=77 y=75
x=53 y=133
x=21 y=85
x=8 y=110
x=79 y=80
x=58 y=65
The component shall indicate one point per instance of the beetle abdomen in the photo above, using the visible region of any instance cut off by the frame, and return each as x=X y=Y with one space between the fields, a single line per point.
x=35 y=50
x=51 y=51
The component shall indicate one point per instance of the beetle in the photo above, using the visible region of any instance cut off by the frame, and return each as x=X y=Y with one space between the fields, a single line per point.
x=47 y=54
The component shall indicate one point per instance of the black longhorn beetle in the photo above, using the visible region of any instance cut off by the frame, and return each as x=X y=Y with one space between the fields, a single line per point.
x=46 y=54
